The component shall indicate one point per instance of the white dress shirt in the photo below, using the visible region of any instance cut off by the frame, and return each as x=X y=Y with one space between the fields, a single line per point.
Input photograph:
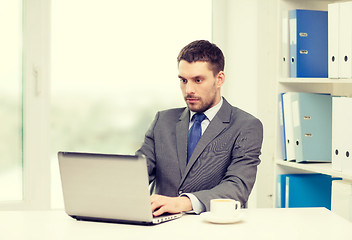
x=210 y=114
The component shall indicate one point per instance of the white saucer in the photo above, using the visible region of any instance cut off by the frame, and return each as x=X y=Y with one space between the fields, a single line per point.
x=209 y=217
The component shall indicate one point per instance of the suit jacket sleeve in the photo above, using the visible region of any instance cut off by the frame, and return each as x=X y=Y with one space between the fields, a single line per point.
x=240 y=176
x=148 y=149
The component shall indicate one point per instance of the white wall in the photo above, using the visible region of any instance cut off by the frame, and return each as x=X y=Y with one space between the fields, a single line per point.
x=245 y=31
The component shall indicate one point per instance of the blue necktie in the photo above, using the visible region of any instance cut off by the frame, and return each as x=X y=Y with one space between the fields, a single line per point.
x=194 y=134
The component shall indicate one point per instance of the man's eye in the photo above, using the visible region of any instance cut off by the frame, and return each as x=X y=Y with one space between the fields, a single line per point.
x=198 y=81
x=183 y=80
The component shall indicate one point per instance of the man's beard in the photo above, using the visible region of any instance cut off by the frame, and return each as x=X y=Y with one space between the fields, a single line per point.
x=203 y=105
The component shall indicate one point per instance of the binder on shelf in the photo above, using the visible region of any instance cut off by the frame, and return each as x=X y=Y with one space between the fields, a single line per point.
x=282 y=129
x=339 y=125
x=288 y=126
x=308 y=35
x=346 y=138
x=333 y=39
x=312 y=114
x=345 y=39
x=304 y=190
x=341 y=199
x=280 y=191
x=285 y=52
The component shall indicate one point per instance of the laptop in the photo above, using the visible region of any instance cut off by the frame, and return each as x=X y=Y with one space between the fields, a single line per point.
x=107 y=188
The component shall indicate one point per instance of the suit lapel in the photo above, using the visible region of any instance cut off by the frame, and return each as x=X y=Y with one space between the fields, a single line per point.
x=215 y=128
x=181 y=140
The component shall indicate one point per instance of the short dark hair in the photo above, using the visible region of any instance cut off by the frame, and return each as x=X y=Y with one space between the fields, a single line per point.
x=203 y=50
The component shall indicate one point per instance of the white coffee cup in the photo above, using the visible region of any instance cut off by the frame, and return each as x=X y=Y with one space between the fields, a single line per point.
x=224 y=208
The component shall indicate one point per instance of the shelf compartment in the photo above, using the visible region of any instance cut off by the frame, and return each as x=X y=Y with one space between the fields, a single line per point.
x=324 y=168
x=314 y=80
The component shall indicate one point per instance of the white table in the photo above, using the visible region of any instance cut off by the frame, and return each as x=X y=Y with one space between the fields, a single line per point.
x=293 y=223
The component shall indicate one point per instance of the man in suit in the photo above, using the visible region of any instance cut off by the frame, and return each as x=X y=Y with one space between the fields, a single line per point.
x=189 y=171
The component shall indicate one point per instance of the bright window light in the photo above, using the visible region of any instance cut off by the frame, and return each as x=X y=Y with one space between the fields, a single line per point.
x=113 y=67
x=11 y=100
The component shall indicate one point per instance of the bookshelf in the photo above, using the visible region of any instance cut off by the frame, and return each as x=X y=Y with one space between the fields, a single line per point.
x=324 y=168
x=314 y=85
x=314 y=80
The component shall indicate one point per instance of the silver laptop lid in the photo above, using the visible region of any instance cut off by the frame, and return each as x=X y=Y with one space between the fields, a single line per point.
x=101 y=186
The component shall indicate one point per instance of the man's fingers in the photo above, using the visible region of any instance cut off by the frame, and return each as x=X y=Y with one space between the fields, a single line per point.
x=161 y=204
x=155 y=202
x=159 y=211
x=157 y=205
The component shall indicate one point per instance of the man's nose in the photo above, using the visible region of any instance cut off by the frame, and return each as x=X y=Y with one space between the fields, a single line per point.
x=190 y=88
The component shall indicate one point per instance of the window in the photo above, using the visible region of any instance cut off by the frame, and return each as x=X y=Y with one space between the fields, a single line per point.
x=113 y=67
x=11 y=100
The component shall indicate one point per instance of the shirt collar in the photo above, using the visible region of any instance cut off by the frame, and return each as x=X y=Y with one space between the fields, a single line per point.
x=210 y=113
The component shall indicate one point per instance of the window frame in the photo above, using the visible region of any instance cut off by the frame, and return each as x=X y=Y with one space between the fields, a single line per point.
x=35 y=80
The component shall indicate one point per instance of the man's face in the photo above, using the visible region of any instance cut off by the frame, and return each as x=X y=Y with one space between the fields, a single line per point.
x=200 y=88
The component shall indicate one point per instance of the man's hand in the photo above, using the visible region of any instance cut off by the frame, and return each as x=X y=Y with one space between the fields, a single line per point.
x=162 y=204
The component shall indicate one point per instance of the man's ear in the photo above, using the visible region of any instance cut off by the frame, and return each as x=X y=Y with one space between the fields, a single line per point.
x=220 y=79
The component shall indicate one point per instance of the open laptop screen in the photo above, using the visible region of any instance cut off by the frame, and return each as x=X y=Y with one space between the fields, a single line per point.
x=104 y=186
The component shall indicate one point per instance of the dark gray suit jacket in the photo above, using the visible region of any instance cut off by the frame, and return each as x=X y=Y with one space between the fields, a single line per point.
x=223 y=164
